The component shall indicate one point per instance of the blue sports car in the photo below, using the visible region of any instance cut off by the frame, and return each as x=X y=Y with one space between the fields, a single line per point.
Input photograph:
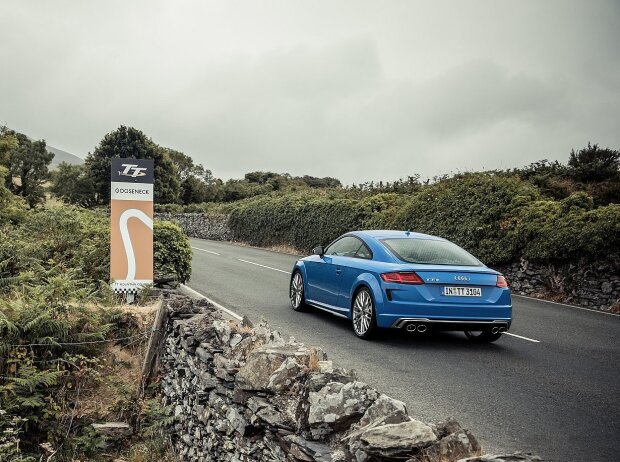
x=402 y=279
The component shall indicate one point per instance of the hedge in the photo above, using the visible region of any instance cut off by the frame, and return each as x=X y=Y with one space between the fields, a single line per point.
x=497 y=217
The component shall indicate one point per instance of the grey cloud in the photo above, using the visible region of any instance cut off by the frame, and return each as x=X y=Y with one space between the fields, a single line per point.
x=358 y=90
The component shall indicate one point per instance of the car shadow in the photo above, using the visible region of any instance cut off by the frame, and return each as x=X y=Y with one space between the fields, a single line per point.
x=400 y=338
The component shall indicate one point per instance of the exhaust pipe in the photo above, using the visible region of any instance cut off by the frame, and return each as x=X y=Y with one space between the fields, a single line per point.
x=502 y=330
x=422 y=328
x=495 y=330
x=411 y=327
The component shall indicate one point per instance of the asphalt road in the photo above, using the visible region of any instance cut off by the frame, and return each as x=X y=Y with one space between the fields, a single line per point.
x=554 y=391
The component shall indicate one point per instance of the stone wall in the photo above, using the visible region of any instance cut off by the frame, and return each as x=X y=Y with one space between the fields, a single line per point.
x=595 y=285
x=201 y=225
x=244 y=394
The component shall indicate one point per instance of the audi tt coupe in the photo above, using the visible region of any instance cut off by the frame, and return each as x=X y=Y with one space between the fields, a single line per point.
x=406 y=280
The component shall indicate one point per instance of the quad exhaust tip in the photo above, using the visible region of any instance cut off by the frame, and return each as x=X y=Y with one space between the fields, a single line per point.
x=498 y=330
x=416 y=328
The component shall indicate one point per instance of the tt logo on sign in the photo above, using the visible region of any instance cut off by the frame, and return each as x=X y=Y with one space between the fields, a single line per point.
x=137 y=171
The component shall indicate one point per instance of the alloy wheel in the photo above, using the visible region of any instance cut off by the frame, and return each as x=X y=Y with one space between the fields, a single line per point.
x=297 y=291
x=362 y=313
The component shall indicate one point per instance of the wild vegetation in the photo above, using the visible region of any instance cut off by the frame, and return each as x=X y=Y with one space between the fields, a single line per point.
x=69 y=349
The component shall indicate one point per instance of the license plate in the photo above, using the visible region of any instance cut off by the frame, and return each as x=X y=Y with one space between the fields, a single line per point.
x=462 y=291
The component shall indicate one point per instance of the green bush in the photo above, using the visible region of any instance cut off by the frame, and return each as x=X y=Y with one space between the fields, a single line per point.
x=67 y=236
x=499 y=217
x=299 y=220
x=172 y=251
x=569 y=229
x=476 y=211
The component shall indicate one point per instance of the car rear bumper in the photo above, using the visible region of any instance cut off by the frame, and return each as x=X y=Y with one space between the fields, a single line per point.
x=452 y=324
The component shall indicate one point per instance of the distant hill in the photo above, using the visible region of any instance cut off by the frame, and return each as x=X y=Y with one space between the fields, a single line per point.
x=63 y=156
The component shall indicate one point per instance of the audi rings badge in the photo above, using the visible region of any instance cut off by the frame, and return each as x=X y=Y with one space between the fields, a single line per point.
x=131 y=213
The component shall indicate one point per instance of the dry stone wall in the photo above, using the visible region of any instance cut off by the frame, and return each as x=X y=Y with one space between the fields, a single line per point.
x=595 y=285
x=241 y=394
x=201 y=225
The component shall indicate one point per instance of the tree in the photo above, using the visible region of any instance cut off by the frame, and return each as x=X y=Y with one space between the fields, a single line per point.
x=186 y=167
x=593 y=164
x=27 y=162
x=129 y=142
x=8 y=142
x=197 y=182
x=72 y=185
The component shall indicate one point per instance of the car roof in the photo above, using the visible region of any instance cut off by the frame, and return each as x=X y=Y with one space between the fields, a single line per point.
x=388 y=233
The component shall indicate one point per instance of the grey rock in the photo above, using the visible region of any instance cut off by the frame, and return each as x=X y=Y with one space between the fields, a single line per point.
x=309 y=451
x=397 y=440
x=336 y=404
x=284 y=376
x=237 y=420
x=264 y=361
x=113 y=429
x=456 y=445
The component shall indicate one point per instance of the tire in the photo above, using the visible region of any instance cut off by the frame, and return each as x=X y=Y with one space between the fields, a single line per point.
x=363 y=314
x=296 y=292
x=484 y=336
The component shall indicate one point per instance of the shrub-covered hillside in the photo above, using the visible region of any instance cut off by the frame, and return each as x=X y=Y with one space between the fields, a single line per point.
x=70 y=353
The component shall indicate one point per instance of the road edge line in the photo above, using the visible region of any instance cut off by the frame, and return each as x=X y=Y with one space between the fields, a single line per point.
x=566 y=304
x=195 y=294
x=263 y=266
x=205 y=250
x=522 y=337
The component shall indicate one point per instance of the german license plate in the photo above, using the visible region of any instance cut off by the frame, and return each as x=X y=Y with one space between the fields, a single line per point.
x=462 y=291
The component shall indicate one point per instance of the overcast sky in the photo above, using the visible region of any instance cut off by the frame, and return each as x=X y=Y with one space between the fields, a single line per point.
x=351 y=89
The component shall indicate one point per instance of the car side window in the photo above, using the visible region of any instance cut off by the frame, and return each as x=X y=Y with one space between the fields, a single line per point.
x=364 y=252
x=345 y=247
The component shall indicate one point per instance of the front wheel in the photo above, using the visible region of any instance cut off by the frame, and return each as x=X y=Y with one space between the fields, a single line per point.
x=482 y=336
x=297 y=296
x=364 y=315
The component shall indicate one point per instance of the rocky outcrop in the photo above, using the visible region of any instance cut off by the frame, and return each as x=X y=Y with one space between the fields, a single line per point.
x=240 y=393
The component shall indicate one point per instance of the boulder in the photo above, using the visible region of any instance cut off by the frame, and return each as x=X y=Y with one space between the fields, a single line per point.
x=338 y=404
x=394 y=441
x=264 y=361
x=452 y=447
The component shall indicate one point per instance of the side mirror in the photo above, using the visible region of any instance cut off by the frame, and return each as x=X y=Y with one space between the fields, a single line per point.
x=318 y=251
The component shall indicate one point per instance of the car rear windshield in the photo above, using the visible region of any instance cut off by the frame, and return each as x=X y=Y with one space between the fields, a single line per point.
x=430 y=252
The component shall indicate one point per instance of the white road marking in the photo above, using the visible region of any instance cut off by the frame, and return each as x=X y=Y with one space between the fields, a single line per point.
x=203 y=250
x=565 y=304
x=263 y=266
x=521 y=337
x=196 y=294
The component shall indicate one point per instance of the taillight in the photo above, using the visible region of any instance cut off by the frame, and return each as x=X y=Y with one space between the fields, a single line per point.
x=501 y=281
x=402 y=278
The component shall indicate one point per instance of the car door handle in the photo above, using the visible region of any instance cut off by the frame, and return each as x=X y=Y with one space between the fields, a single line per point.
x=338 y=270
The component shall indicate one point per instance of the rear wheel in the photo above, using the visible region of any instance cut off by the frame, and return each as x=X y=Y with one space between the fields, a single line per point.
x=364 y=316
x=297 y=296
x=482 y=336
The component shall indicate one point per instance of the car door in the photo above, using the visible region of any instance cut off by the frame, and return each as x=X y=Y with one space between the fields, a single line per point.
x=324 y=273
x=352 y=267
